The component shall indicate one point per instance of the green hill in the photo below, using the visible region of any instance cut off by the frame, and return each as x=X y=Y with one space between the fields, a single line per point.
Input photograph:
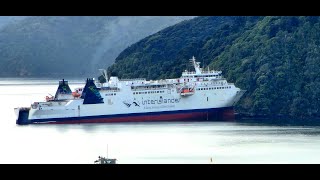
x=166 y=53
x=276 y=59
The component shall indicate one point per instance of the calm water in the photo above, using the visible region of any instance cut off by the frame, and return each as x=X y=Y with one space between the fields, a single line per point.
x=136 y=143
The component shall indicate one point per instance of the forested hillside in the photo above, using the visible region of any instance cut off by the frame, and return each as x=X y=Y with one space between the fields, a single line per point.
x=276 y=59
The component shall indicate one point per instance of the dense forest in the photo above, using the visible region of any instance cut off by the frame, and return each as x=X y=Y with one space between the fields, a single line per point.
x=70 y=46
x=276 y=59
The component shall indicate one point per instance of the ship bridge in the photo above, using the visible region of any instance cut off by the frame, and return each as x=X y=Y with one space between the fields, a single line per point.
x=199 y=72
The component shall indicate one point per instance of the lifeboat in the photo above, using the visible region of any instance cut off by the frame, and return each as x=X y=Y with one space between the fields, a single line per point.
x=75 y=94
x=49 y=98
x=187 y=92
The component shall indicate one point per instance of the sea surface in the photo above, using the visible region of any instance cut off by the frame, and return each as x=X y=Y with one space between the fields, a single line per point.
x=144 y=143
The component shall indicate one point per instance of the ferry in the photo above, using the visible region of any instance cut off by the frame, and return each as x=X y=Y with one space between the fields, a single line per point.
x=199 y=95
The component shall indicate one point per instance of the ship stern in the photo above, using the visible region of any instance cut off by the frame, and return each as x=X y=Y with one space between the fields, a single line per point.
x=22 y=116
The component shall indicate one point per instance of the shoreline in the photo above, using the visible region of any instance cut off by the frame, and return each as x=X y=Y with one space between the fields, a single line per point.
x=277 y=120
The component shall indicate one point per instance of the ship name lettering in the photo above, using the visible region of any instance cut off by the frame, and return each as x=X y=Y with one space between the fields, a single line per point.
x=160 y=101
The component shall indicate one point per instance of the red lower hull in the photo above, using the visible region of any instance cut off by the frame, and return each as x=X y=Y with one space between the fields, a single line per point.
x=226 y=114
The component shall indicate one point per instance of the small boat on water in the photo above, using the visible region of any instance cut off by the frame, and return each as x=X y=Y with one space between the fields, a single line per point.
x=103 y=160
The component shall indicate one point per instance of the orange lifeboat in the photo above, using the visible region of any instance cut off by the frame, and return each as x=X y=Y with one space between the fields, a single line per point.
x=187 y=92
x=49 y=98
x=75 y=94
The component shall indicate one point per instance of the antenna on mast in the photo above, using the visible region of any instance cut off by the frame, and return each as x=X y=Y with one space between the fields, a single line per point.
x=203 y=65
x=196 y=65
x=104 y=73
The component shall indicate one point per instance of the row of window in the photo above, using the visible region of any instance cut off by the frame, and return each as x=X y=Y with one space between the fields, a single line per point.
x=225 y=87
x=113 y=90
x=148 y=92
x=213 y=83
x=202 y=76
x=112 y=94
x=147 y=87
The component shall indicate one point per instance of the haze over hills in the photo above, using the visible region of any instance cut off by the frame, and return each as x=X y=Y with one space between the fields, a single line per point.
x=276 y=59
x=71 y=46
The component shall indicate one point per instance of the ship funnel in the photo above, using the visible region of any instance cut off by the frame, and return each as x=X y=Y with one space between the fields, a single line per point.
x=91 y=94
x=63 y=90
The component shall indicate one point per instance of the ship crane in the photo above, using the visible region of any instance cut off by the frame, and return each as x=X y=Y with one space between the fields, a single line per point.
x=104 y=74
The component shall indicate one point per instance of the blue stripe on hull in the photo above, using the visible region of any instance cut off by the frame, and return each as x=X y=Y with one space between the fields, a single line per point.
x=195 y=114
